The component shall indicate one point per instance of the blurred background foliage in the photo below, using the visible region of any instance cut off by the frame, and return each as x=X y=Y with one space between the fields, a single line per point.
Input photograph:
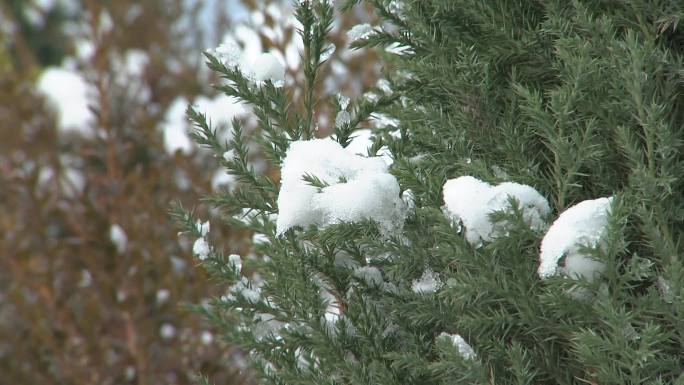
x=93 y=275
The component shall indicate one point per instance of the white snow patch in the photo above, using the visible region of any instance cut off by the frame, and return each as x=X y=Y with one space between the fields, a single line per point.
x=359 y=31
x=583 y=224
x=398 y=49
x=167 y=331
x=410 y=201
x=130 y=373
x=203 y=228
x=201 y=248
x=220 y=111
x=162 y=296
x=174 y=128
x=469 y=201
x=362 y=140
x=228 y=53
x=235 y=262
x=260 y=239
x=464 y=348
x=358 y=188
x=384 y=86
x=68 y=93
x=380 y=120
x=249 y=290
x=429 y=282
x=223 y=179
x=135 y=62
x=118 y=237
x=343 y=101
x=229 y=155
x=327 y=52
x=207 y=338
x=665 y=289
x=268 y=66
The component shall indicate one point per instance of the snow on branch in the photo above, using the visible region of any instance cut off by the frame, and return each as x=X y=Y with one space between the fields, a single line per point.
x=352 y=188
x=470 y=202
x=582 y=225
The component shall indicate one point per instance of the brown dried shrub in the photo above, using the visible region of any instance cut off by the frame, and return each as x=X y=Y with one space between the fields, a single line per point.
x=75 y=309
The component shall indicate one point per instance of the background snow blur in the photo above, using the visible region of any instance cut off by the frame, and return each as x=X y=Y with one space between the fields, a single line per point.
x=93 y=148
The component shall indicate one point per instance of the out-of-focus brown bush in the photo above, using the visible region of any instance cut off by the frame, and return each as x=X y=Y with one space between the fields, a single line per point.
x=76 y=307
x=93 y=276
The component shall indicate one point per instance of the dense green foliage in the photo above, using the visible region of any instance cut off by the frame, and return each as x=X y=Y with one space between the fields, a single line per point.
x=579 y=99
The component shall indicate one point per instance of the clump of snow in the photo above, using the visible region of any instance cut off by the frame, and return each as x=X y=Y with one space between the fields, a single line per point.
x=68 y=93
x=235 y=262
x=246 y=288
x=266 y=325
x=470 y=201
x=464 y=348
x=134 y=63
x=167 y=331
x=202 y=228
x=228 y=53
x=429 y=282
x=207 y=338
x=583 y=224
x=267 y=66
x=120 y=295
x=359 y=31
x=357 y=188
x=118 y=237
x=201 y=248
x=409 y=201
x=229 y=155
x=162 y=296
x=362 y=140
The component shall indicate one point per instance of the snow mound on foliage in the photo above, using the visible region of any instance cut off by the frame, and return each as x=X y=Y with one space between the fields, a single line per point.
x=362 y=140
x=470 y=202
x=357 y=188
x=268 y=67
x=583 y=224
x=257 y=66
x=429 y=282
x=463 y=347
x=360 y=32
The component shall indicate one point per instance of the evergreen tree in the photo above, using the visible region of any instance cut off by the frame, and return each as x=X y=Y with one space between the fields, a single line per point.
x=490 y=254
